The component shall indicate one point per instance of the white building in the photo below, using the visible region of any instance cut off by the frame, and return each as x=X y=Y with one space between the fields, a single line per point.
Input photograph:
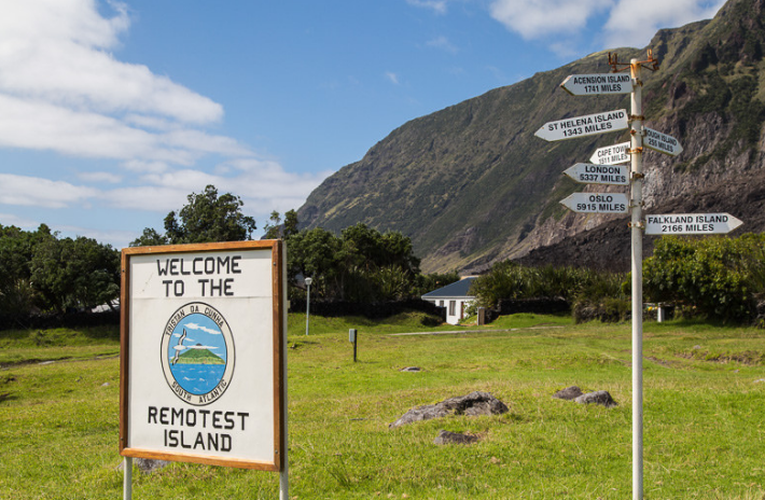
x=454 y=298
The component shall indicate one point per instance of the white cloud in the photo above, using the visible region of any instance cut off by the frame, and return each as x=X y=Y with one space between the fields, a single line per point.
x=443 y=43
x=633 y=24
x=35 y=191
x=100 y=177
x=392 y=77
x=21 y=222
x=57 y=50
x=62 y=90
x=537 y=18
x=438 y=6
x=196 y=326
x=629 y=23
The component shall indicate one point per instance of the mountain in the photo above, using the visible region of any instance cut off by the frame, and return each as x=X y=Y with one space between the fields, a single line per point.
x=471 y=184
x=200 y=356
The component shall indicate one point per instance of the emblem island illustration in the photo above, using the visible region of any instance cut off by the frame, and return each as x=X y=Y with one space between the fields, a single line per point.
x=197 y=352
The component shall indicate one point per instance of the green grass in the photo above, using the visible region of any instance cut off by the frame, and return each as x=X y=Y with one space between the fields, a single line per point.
x=703 y=403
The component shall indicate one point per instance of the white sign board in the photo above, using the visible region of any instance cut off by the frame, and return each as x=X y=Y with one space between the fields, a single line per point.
x=597 y=203
x=691 y=224
x=663 y=143
x=580 y=126
x=597 y=84
x=588 y=173
x=612 y=155
x=202 y=355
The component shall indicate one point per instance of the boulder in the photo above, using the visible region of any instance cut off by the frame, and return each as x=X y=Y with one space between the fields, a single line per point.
x=598 y=397
x=446 y=437
x=473 y=404
x=568 y=393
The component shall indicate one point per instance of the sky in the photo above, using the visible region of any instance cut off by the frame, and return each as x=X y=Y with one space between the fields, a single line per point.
x=113 y=112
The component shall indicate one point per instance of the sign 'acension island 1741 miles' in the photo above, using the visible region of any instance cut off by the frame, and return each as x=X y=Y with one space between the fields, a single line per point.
x=608 y=83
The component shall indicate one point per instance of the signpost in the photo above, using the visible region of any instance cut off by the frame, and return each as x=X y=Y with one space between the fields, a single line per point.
x=597 y=203
x=612 y=155
x=604 y=170
x=608 y=83
x=588 y=173
x=663 y=143
x=202 y=358
x=581 y=126
x=721 y=223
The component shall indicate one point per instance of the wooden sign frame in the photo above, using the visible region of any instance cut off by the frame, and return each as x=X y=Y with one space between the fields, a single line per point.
x=161 y=411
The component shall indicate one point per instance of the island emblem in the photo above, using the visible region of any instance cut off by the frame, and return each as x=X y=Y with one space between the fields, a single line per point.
x=197 y=353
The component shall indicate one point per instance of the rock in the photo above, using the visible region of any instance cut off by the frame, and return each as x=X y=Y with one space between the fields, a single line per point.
x=598 y=397
x=446 y=437
x=475 y=403
x=568 y=393
x=146 y=465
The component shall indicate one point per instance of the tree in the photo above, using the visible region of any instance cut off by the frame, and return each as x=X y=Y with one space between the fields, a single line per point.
x=206 y=217
x=75 y=273
x=17 y=295
x=276 y=229
x=273 y=229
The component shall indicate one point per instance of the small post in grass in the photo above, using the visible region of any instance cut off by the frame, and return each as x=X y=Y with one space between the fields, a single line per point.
x=353 y=337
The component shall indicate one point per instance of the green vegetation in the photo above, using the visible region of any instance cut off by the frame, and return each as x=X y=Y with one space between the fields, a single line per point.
x=718 y=278
x=206 y=217
x=200 y=357
x=592 y=294
x=41 y=272
x=360 y=265
x=704 y=431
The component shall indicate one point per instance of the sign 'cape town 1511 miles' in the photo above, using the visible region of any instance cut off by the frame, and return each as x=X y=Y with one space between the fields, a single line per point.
x=202 y=332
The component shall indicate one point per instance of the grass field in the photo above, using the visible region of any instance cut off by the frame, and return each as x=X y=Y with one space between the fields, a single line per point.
x=704 y=404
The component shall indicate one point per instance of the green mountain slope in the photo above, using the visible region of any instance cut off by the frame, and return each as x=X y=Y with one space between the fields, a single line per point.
x=471 y=184
x=200 y=356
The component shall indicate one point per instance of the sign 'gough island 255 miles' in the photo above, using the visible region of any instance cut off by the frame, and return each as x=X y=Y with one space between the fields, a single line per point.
x=202 y=335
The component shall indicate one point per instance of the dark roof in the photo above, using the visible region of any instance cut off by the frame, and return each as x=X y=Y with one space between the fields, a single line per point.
x=457 y=289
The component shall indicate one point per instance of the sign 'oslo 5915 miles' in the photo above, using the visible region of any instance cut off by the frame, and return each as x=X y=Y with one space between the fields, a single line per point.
x=597 y=203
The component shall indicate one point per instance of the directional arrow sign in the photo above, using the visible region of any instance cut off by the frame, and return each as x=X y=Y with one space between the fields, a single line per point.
x=587 y=173
x=612 y=155
x=691 y=224
x=597 y=203
x=608 y=83
x=662 y=143
x=580 y=126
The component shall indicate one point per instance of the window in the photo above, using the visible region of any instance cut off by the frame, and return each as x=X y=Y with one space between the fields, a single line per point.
x=452 y=307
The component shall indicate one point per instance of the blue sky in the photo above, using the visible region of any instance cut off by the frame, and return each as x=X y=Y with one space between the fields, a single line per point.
x=112 y=112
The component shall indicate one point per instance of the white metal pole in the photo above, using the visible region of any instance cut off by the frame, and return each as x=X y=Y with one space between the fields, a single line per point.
x=284 y=477
x=637 y=282
x=127 y=481
x=307 y=303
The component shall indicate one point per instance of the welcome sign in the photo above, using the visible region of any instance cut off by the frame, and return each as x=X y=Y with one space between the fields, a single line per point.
x=202 y=354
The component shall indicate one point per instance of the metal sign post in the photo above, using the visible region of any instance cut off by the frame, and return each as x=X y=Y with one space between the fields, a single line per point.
x=636 y=225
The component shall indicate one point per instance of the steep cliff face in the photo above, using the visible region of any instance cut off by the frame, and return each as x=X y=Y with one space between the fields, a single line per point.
x=471 y=184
